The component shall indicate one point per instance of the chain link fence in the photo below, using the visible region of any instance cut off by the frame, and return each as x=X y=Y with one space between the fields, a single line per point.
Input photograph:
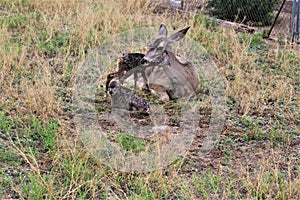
x=259 y=15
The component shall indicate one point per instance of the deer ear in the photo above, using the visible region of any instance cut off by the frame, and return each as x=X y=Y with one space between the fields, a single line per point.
x=178 y=35
x=163 y=30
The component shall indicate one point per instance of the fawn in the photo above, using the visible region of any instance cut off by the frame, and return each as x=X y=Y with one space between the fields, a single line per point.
x=127 y=63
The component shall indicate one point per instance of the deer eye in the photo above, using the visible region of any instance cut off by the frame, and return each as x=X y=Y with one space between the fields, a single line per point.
x=160 y=48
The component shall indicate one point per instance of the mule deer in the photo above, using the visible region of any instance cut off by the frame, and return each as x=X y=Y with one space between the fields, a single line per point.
x=127 y=63
x=122 y=98
x=174 y=76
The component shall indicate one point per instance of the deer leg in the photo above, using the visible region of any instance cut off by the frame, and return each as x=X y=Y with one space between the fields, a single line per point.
x=126 y=75
x=171 y=94
x=108 y=79
x=135 y=79
x=140 y=70
x=145 y=79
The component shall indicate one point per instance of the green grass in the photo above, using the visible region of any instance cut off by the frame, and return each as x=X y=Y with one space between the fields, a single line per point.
x=42 y=47
x=25 y=142
x=9 y=156
x=14 y=21
x=130 y=143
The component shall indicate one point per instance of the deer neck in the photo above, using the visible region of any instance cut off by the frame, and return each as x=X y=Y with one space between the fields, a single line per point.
x=169 y=58
x=172 y=59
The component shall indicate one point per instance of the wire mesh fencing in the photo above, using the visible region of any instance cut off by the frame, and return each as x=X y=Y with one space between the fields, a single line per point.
x=272 y=17
x=281 y=27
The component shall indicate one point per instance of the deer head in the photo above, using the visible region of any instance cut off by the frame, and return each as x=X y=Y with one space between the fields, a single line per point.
x=178 y=76
x=163 y=44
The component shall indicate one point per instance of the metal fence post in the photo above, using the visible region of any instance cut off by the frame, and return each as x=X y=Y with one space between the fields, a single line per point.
x=298 y=22
x=274 y=22
x=293 y=19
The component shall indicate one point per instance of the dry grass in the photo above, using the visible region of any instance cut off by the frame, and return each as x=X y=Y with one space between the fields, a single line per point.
x=44 y=43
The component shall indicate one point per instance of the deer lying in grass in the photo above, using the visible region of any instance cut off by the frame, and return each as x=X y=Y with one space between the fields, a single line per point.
x=166 y=74
x=122 y=98
x=127 y=63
